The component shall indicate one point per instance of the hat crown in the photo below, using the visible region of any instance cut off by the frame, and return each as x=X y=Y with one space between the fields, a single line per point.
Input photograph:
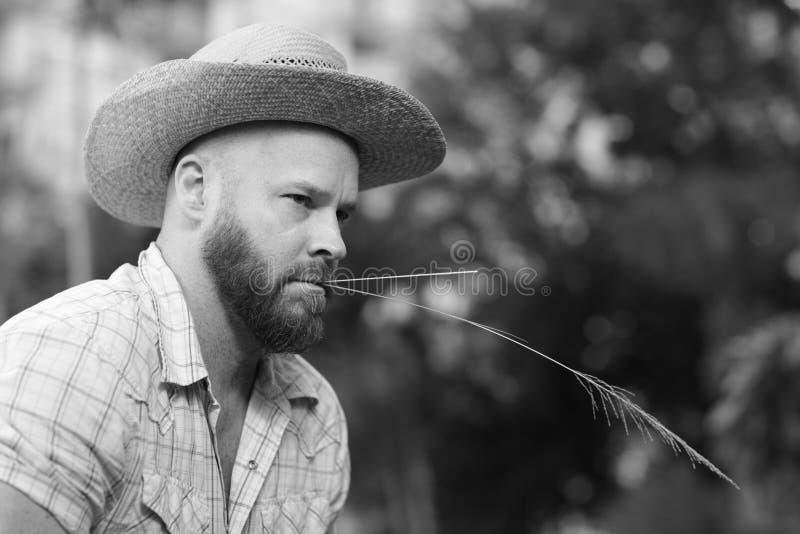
x=261 y=44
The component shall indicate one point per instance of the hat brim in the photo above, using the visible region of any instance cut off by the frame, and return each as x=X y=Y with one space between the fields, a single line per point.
x=141 y=127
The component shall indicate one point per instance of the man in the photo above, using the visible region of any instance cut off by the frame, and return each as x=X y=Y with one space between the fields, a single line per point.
x=170 y=398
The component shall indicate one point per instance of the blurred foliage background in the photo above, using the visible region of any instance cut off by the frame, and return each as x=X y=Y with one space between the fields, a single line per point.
x=640 y=155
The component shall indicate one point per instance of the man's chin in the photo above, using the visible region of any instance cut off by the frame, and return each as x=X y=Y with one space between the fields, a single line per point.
x=295 y=331
x=312 y=298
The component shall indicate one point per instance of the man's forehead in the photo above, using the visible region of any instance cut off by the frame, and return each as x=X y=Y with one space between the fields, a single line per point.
x=232 y=151
x=223 y=148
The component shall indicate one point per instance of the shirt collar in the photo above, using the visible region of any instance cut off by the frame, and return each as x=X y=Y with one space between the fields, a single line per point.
x=179 y=348
x=181 y=361
x=285 y=375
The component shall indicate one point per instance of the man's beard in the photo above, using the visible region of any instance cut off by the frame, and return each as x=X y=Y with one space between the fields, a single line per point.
x=254 y=292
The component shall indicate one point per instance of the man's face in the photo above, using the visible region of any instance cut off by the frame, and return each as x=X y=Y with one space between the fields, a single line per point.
x=285 y=192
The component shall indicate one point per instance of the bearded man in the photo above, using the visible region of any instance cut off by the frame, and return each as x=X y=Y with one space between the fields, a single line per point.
x=170 y=397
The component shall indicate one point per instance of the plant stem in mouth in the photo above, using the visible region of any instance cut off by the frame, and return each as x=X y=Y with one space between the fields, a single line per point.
x=612 y=400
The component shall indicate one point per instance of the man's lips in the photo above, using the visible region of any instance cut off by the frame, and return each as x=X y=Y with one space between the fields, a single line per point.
x=316 y=283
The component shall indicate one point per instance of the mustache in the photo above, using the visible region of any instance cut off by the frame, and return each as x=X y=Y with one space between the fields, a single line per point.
x=268 y=279
x=314 y=272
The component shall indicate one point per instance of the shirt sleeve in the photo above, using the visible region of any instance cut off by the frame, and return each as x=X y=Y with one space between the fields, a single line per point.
x=61 y=429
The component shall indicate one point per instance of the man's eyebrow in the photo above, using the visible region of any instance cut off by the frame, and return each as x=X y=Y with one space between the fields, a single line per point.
x=314 y=189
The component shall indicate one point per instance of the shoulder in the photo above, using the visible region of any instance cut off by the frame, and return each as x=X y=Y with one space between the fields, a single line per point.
x=64 y=404
x=327 y=403
x=98 y=330
x=89 y=303
x=74 y=341
x=324 y=437
x=316 y=416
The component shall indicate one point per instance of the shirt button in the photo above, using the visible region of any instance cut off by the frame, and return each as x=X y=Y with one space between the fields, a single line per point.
x=252 y=464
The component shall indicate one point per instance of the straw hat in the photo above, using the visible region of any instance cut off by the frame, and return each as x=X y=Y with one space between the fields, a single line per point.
x=258 y=72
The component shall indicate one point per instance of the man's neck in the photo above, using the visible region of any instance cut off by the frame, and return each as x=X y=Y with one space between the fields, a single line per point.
x=230 y=352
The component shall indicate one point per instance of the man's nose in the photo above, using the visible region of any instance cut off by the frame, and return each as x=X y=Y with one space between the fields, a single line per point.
x=326 y=239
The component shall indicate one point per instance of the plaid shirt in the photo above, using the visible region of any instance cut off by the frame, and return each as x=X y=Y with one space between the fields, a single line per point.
x=107 y=419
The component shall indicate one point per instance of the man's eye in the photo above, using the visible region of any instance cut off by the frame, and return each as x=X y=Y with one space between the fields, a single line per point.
x=300 y=199
x=342 y=216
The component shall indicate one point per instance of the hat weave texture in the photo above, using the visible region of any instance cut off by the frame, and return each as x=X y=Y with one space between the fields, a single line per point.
x=258 y=72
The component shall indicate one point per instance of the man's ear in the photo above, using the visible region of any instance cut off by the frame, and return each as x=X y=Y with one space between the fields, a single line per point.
x=191 y=195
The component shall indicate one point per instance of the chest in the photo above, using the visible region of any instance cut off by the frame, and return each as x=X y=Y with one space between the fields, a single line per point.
x=290 y=468
x=229 y=424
